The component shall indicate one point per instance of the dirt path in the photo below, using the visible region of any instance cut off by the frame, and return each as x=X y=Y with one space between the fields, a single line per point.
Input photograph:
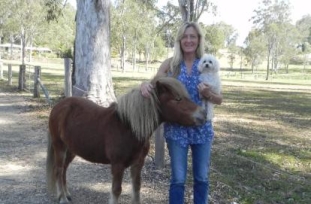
x=22 y=163
x=22 y=152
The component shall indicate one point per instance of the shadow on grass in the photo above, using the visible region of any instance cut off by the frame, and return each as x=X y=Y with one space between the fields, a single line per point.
x=290 y=107
x=262 y=146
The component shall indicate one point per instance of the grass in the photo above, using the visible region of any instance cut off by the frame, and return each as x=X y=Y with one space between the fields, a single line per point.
x=262 y=147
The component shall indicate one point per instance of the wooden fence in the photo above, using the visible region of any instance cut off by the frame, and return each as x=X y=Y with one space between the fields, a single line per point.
x=26 y=77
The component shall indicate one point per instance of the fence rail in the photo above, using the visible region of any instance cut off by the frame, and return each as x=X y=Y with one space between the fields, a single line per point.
x=29 y=78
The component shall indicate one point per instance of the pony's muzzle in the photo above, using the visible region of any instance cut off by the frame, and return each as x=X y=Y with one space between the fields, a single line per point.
x=200 y=116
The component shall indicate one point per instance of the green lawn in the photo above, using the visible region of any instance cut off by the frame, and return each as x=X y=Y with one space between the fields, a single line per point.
x=262 y=146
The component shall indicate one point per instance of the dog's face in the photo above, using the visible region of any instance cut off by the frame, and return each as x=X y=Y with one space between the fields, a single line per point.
x=208 y=63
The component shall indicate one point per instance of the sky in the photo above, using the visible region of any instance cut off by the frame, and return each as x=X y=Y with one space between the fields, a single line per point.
x=238 y=12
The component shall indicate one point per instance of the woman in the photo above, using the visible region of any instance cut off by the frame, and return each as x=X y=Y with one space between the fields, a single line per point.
x=189 y=47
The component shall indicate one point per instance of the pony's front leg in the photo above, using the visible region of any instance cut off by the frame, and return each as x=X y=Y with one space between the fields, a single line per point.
x=136 y=182
x=136 y=174
x=117 y=171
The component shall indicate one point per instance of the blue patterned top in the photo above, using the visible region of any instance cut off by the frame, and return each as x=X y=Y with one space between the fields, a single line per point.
x=194 y=134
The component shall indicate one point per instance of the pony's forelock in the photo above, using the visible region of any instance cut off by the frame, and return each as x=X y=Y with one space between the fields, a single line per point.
x=142 y=114
x=175 y=86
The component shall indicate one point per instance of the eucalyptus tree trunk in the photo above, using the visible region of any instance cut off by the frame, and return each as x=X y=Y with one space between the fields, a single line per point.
x=268 y=65
x=253 y=65
x=0 y=43
x=134 y=50
x=92 y=75
x=123 y=53
x=192 y=10
x=23 y=45
x=184 y=9
x=11 y=46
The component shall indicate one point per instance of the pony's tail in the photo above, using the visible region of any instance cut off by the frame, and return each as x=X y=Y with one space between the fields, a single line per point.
x=50 y=175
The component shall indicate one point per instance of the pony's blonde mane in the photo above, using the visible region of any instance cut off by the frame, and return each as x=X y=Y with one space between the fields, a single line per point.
x=142 y=114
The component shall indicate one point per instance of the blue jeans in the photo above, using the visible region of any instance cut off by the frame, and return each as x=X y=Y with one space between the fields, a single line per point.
x=200 y=168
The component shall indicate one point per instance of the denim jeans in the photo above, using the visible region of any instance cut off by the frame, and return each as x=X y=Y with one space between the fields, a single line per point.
x=200 y=169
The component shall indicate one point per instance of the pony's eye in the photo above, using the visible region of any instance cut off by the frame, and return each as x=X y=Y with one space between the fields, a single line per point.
x=178 y=98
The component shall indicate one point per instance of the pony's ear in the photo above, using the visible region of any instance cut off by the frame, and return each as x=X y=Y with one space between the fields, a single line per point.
x=161 y=88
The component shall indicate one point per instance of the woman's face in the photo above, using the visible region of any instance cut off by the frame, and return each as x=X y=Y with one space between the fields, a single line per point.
x=190 y=41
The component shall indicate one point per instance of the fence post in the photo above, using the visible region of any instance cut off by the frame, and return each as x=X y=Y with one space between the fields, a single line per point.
x=1 y=70
x=45 y=91
x=22 y=77
x=37 y=75
x=159 y=147
x=9 y=74
x=68 y=83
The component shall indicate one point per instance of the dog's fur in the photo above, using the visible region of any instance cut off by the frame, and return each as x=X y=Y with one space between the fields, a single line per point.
x=209 y=69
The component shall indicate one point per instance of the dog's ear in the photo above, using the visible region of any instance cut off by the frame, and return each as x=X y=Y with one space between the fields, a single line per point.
x=202 y=61
x=200 y=65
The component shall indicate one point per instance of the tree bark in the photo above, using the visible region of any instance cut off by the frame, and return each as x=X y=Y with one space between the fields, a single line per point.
x=93 y=78
x=268 y=66
x=183 y=5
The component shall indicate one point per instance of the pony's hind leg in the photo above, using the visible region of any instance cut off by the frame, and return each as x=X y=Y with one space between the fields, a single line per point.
x=68 y=160
x=50 y=163
x=54 y=167
x=60 y=157
x=117 y=171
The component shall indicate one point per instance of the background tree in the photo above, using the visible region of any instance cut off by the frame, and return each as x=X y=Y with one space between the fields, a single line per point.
x=255 y=50
x=289 y=39
x=138 y=36
x=231 y=36
x=28 y=17
x=64 y=28
x=233 y=52
x=214 y=37
x=269 y=19
x=4 y=16
x=24 y=23
x=191 y=10
x=230 y=33
x=21 y=22
x=122 y=23
x=304 y=29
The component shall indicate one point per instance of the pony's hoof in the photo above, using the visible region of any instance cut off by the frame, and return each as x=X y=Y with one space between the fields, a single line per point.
x=63 y=201
x=69 y=198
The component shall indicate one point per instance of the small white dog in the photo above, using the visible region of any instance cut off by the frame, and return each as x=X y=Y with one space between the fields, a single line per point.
x=209 y=68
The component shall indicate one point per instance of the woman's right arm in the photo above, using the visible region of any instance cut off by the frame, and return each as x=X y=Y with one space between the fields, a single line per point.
x=146 y=86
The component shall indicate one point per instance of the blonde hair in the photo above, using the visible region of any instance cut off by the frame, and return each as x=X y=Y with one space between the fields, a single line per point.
x=178 y=54
x=142 y=115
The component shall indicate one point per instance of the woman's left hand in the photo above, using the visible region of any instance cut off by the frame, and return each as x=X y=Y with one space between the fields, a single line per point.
x=205 y=90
